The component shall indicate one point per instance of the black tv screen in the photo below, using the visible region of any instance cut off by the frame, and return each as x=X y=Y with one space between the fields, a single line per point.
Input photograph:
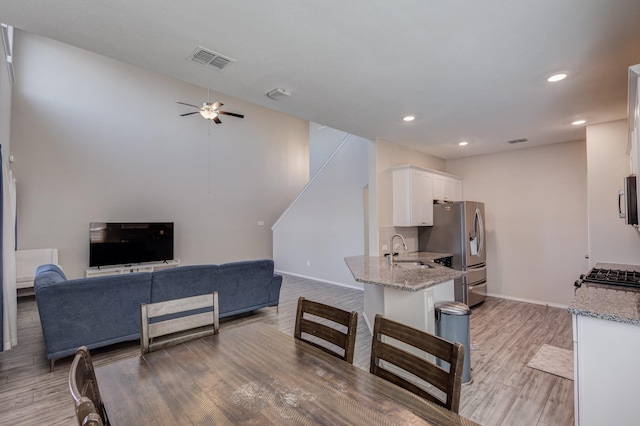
x=112 y=243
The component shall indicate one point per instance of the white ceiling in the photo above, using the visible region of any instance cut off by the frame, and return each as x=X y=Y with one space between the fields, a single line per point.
x=467 y=69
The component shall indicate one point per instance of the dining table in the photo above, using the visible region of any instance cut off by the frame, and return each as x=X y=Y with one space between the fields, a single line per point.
x=256 y=375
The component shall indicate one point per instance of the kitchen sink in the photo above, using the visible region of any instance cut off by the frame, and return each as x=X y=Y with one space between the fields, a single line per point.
x=411 y=265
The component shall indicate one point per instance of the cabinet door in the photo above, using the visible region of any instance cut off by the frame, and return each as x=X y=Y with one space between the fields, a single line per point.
x=447 y=189
x=412 y=197
x=402 y=197
x=457 y=190
x=422 y=198
x=438 y=187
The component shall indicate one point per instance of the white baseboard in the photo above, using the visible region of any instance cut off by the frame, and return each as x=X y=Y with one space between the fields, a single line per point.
x=521 y=299
x=277 y=271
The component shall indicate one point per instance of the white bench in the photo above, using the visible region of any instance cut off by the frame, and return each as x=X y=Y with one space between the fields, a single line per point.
x=28 y=260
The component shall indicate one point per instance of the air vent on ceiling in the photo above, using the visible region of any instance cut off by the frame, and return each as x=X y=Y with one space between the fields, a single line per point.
x=519 y=140
x=209 y=59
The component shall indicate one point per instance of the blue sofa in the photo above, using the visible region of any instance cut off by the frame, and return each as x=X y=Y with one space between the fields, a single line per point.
x=101 y=311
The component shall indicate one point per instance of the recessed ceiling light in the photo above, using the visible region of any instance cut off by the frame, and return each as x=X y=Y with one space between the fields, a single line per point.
x=556 y=77
x=463 y=143
x=409 y=118
x=579 y=122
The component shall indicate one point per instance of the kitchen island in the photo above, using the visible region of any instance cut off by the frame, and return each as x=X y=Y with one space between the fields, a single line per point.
x=407 y=291
x=606 y=344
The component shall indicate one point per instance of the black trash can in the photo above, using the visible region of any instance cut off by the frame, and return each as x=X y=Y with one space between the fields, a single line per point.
x=452 y=324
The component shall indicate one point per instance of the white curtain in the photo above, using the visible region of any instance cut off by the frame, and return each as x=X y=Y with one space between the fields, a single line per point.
x=9 y=300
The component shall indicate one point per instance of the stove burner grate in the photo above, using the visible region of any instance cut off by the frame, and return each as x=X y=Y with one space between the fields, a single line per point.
x=613 y=277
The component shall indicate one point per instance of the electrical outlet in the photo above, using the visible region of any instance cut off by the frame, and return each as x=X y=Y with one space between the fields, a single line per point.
x=261 y=223
x=396 y=247
x=385 y=247
x=308 y=263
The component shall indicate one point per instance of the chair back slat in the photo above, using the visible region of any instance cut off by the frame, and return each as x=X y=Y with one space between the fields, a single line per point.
x=175 y=325
x=392 y=362
x=415 y=365
x=324 y=332
x=179 y=305
x=343 y=340
x=175 y=330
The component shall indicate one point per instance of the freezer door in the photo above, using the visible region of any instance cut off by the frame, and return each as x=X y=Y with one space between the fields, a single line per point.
x=476 y=293
x=475 y=274
x=474 y=233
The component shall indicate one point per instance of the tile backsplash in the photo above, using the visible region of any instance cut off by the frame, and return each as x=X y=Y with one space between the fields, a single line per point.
x=410 y=235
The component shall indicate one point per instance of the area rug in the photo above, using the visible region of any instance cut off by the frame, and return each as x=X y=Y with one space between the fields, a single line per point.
x=551 y=359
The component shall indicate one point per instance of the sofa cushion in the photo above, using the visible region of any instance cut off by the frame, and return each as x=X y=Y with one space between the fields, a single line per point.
x=184 y=281
x=244 y=283
x=240 y=285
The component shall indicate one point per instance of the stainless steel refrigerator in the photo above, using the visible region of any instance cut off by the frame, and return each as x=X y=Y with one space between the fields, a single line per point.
x=458 y=228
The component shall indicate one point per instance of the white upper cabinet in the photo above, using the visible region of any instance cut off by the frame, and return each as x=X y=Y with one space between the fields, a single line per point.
x=414 y=191
x=412 y=197
x=447 y=188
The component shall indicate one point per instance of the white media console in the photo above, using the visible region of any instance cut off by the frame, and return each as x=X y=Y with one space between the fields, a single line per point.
x=130 y=268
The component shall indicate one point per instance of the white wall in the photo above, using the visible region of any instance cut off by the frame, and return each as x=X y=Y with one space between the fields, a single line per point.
x=326 y=223
x=323 y=141
x=536 y=218
x=610 y=240
x=99 y=140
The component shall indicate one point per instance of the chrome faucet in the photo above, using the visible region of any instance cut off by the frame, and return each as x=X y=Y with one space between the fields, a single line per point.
x=404 y=244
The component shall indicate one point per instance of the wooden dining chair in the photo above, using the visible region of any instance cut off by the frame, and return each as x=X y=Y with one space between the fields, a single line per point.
x=344 y=340
x=83 y=386
x=392 y=363
x=87 y=414
x=178 y=321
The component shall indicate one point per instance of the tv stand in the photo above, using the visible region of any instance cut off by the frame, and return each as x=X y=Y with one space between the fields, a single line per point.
x=100 y=271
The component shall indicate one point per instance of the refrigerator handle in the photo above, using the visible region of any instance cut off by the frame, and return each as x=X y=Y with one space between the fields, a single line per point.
x=479 y=231
x=481 y=268
x=620 y=195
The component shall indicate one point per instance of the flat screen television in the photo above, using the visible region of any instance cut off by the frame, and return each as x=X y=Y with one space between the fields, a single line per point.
x=123 y=243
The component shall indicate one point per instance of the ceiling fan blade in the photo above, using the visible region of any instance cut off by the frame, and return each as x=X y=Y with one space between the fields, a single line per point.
x=216 y=105
x=217 y=120
x=188 y=105
x=189 y=113
x=233 y=114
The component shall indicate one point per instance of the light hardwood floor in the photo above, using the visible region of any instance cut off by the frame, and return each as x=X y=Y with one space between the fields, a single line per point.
x=504 y=337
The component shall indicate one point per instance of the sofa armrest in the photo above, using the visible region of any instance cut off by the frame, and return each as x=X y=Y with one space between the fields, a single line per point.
x=90 y=311
x=274 y=288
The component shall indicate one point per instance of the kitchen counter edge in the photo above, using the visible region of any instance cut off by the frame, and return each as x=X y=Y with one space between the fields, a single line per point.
x=607 y=302
x=375 y=270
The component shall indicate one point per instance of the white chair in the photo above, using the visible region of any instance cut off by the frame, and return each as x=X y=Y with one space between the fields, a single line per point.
x=28 y=260
x=181 y=328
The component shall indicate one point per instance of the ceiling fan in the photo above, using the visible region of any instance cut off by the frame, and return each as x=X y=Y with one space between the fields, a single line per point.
x=210 y=111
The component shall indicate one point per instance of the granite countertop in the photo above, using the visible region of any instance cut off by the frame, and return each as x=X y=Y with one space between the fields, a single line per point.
x=375 y=270
x=614 y=303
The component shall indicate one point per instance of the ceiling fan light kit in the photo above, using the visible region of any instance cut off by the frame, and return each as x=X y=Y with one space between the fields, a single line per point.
x=210 y=111
x=278 y=93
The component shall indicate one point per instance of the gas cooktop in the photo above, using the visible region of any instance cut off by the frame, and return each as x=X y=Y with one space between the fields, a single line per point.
x=611 y=277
